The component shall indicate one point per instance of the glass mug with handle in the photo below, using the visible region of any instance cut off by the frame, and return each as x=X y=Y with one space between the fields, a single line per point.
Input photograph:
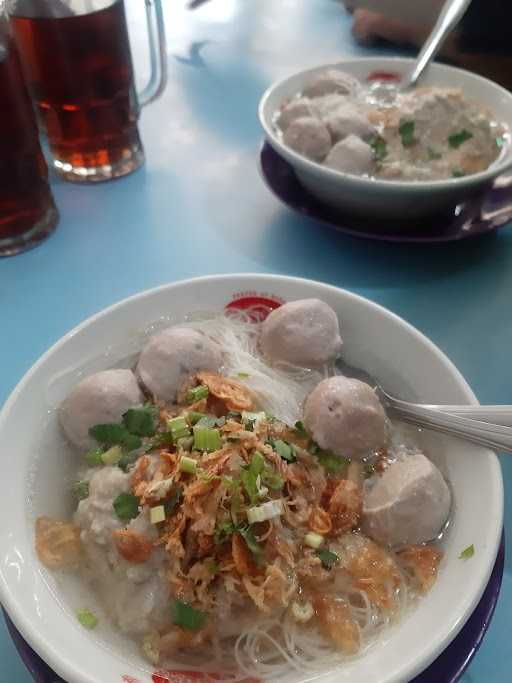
x=27 y=210
x=77 y=61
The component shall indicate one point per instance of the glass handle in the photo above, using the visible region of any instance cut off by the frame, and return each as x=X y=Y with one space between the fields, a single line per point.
x=157 y=53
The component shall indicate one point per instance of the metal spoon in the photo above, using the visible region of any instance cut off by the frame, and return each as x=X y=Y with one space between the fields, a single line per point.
x=384 y=92
x=489 y=426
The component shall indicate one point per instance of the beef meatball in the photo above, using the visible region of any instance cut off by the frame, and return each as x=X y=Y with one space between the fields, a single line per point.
x=98 y=399
x=298 y=108
x=351 y=155
x=308 y=136
x=346 y=417
x=304 y=332
x=409 y=503
x=331 y=81
x=173 y=355
x=348 y=121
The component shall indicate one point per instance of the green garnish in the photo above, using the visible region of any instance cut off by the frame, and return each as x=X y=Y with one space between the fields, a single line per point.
x=285 y=450
x=171 y=502
x=81 y=490
x=467 y=552
x=300 y=428
x=433 y=154
x=126 y=506
x=379 y=146
x=141 y=421
x=330 y=462
x=197 y=393
x=115 y=435
x=206 y=439
x=186 y=616
x=272 y=480
x=249 y=476
x=87 y=619
x=178 y=428
x=248 y=536
x=223 y=531
x=500 y=141
x=327 y=558
x=128 y=459
x=243 y=375
x=368 y=469
x=213 y=567
x=210 y=422
x=457 y=172
x=194 y=417
x=233 y=415
x=188 y=465
x=457 y=139
x=112 y=456
x=93 y=457
x=406 y=131
x=185 y=443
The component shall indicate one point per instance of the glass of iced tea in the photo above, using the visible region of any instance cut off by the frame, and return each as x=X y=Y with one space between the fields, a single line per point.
x=27 y=210
x=77 y=61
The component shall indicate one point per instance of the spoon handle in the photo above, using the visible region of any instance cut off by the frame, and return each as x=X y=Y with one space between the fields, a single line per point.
x=451 y=14
x=495 y=436
x=498 y=415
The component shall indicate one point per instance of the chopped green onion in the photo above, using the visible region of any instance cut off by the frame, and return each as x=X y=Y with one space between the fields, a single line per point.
x=194 y=417
x=178 y=428
x=249 y=419
x=467 y=552
x=206 y=439
x=94 y=457
x=233 y=415
x=211 y=422
x=213 y=567
x=112 y=456
x=313 y=540
x=270 y=418
x=197 y=393
x=87 y=619
x=300 y=428
x=81 y=490
x=273 y=480
x=457 y=172
x=368 y=469
x=406 y=131
x=185 y=443
x=284 y=450
x=248 y=536
x=157 y=514
x=269 y=510
x=330 y=462
x=379 y=146
x=186 y=616
x=433 y=155
x=457 y=139
x=243 y=375
x=188 y=465
x=141 y=421
x=249 y=475
x=126 y=506
x=327 y=558
x=223 y=531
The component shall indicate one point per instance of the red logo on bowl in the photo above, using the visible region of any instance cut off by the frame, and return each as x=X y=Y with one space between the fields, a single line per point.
x=255 y=305
x=383 y=76
x=130 y=679
x=193 y=677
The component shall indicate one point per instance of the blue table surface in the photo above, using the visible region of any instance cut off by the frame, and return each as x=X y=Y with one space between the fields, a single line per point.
x=199 y=206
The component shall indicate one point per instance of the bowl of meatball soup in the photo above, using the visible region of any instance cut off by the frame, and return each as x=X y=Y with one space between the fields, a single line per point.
x=361 y=145
x=195 y=485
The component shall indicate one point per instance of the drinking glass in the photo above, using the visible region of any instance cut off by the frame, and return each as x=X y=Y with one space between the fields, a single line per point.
x=77 y=61
x=27 y=211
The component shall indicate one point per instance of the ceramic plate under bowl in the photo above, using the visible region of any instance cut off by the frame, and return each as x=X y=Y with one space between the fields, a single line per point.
x=42 y=605
x=483 y=214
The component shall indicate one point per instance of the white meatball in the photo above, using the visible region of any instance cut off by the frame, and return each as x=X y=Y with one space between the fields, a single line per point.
x=308 y=136
x=331 y=81
x=345 y=416
x=295 y=109
x=98 y=399
x=351 y=155
x=348 y=121
x=173 y=355
x=304 y=332
x=328 y=104
x=409 y=503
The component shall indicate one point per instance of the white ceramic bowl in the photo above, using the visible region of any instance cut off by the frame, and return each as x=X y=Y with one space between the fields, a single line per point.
x=38 y=469
x=376 y=198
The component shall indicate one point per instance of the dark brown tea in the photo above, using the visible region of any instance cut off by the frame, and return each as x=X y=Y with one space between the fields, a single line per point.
x=80 y=72
x=27 y=210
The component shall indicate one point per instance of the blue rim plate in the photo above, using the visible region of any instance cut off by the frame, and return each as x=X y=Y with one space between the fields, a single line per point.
x=448 y=667
x=481 y=215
